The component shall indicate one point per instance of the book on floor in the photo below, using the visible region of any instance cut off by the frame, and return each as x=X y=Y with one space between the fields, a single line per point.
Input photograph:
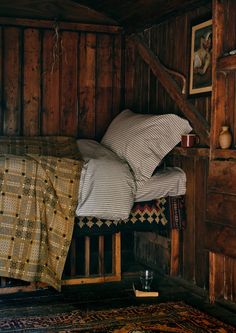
x=141 y=293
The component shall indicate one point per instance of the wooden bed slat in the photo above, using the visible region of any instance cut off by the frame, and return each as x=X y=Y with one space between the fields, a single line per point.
x=116 y=255
x=101 y=260
x=87 y=256
x=174 y=258
x=73 y=257
x=101 y=277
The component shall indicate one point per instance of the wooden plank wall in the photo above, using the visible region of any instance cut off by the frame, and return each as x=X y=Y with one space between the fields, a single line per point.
x=171 y=42
x=221 y=229
x=194 y=257
x=58 y=81
x=208 y=244
x=143 y=93
x=221 y=197
x=224 y=95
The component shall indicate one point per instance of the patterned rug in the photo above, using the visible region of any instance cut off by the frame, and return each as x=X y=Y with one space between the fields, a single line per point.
x=164 y=317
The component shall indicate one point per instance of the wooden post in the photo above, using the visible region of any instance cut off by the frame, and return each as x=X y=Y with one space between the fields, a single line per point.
x=116 y=255
x=212 y=277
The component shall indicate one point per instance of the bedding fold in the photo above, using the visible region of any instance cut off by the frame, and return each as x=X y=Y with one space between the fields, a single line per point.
x=107 y=184
x=171 y=181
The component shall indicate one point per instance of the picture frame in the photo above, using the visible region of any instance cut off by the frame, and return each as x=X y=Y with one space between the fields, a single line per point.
x=201 y=58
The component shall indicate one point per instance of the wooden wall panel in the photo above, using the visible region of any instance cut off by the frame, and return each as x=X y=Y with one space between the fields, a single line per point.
x=118 y=76
x=87 y=85
x=219 y=275
x=201 y=263
x=12 y=81
x=221 y=217
x=233 y=288
x=50 y=80
x=69 y=84
x=230 y=25
x=170 y=40
x=224 y=83
x=221 y=239
x=130 y=55
x=153 y=84
x=230 y=111
x=222 y=193
x=221 y=208
x=104 y=77
x=32 y=79
x=189 y=241
x=194 y=258
x=58 y=80
x=222 y=277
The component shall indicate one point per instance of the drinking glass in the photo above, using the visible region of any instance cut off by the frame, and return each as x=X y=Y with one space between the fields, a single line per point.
x=146 y=277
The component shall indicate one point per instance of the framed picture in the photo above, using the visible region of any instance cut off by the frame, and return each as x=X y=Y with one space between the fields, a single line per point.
x=201 y=58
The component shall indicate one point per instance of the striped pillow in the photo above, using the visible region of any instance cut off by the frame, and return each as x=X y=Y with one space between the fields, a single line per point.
x=144 y=140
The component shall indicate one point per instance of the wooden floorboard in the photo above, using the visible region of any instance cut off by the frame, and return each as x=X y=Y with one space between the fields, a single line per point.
x=107 y=295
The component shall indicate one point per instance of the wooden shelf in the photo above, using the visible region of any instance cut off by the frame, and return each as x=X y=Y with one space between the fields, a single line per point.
x=205 y=152
x=223 y=153
x=194 y=151
x=227 y=63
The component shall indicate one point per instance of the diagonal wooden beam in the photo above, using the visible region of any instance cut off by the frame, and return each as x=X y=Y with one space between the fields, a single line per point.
x=190 y=112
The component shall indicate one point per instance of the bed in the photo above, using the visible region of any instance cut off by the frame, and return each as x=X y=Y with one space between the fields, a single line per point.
x=46 y=182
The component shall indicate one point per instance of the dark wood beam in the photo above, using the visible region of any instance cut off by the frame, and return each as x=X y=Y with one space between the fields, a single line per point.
x=198 y=122
x=136 y=15
x=49 y=24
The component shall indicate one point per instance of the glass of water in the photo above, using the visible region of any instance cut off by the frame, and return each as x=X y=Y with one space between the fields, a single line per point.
x=146 y=277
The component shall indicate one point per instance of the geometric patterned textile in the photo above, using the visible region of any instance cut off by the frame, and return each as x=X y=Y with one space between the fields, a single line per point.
x=38 y=198
x=174 y=317
x=59 y=146
x=155 y=215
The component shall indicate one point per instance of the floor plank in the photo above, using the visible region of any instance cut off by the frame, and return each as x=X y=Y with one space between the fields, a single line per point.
x=112 y=294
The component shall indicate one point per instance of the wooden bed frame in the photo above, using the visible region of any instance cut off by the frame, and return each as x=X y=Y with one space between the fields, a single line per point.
x=101 y=277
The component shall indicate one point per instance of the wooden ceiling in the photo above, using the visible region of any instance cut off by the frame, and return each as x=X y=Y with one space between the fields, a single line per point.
x=132 y=15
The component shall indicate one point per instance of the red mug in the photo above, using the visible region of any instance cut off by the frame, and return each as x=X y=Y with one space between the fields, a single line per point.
x=189 y=140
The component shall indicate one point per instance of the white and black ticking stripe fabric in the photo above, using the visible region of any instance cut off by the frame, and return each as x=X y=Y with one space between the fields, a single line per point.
x=108 y=189
x=107 y=186
x=170 y=181
x=144 y=140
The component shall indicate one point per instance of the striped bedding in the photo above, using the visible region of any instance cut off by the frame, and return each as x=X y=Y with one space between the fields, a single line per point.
x=108 y=189
x=170 y=181
x=143 y=140
x=107 y=186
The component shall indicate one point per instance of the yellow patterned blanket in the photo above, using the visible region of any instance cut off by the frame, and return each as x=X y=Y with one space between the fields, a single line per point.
x=38 y=198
